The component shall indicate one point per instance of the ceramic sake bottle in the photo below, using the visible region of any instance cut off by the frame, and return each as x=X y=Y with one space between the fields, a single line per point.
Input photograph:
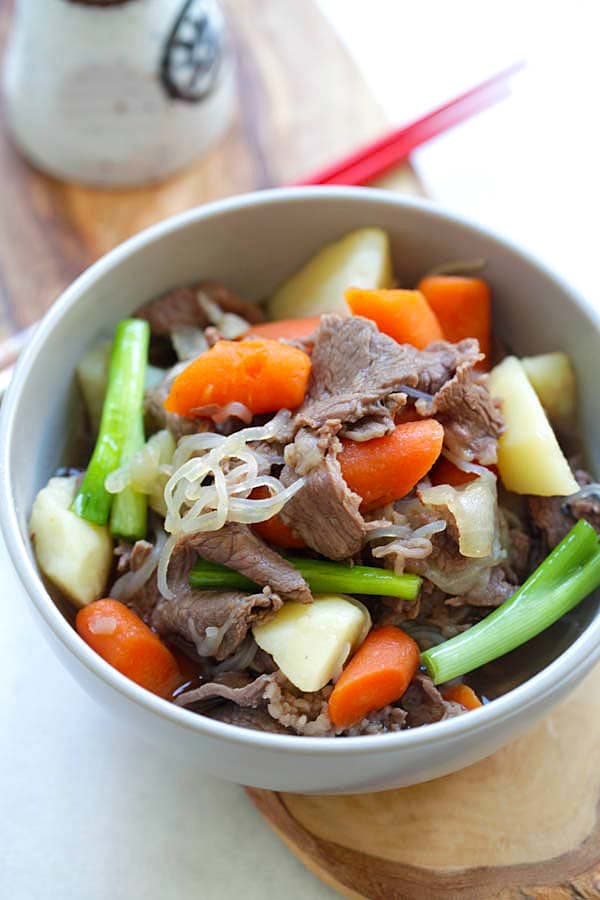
x=117 y=92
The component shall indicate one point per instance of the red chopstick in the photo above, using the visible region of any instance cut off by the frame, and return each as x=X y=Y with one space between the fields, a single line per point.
x=377 y=158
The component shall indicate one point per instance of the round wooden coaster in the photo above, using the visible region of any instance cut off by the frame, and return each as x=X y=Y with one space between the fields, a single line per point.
x=520 y=824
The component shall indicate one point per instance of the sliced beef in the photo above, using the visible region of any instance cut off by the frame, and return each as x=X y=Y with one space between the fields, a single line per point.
x=233 y=686
x=246 y=717
x=308 y=713
x=471 y=417
x=181 y=308
x=449 y=570
x=271 y=703
x=215 y=622
x=553 y=517
x=519 y=549
x=238 y=547
x=436 y=621
x=325 y=512
x=130 y=557
x=424 y=704
x=496 y=591
x=359 y=374
x=380 y=721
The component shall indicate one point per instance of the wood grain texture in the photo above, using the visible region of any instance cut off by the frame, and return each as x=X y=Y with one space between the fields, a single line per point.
x=520 y=824
x=302 y=102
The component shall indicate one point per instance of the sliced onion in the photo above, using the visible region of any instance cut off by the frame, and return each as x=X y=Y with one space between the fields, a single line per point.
x=144 y=470
x=233 y=326
x=212 y=310
x=220 y=414
x=188 y=342
x=474 y=508
x=230 y=325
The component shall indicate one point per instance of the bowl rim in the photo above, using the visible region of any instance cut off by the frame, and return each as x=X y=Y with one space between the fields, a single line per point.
x=561 y=673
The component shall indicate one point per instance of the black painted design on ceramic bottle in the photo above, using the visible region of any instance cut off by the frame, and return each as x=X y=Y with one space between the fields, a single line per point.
x=193 y=53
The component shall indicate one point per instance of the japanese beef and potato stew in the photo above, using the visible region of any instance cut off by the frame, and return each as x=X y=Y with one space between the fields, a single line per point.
x=321 y=515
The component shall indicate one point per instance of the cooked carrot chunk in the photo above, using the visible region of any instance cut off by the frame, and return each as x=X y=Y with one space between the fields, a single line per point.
x=387 y=468
x=264 y=375
x=405 y=316
x=379 y=673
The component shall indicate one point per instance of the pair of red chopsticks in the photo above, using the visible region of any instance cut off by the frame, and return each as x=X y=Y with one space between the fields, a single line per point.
x=375 y=159
x=361 y=167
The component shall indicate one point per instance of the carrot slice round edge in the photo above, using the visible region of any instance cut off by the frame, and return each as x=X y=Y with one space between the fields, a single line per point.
x=274 y=529
x=404 y=315
x=387 y=468
x=120 y=637
x=289 y=329
x=379 y=673
x=463 y=694
x=463 y=307
x=263 y=374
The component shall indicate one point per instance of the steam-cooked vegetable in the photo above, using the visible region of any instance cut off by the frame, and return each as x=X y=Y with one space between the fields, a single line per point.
x=147 y=472
x=287 y=329
x=321 y=575
x=128 y=516
x=473 y=507
x=126 y=643
x=361 y=259
x=553 y=379
x=463 y=307
x=75 y=555
x=92 y=376
x=379 y=673
x=405 y=315
x=530 y=460
x=385 y=469
x=566 y=576
x=463 y=694
x=92 y=373
x=263 y=374
x=311 y=642
x=122 y=409
x=211 y=482
x=274 y=530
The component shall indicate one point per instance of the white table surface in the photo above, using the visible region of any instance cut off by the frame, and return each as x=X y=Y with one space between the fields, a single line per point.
x=88 y=810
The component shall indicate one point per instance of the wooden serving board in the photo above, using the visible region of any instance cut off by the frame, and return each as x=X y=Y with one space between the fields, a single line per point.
x=521 y=824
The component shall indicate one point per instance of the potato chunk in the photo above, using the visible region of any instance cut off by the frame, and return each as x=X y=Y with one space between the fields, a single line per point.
x=360 y=259
x=553 y=379
x=530 y=460
x=74 y=554
x=310 y=642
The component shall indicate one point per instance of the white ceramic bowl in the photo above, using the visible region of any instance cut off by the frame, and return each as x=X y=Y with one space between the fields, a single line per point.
x=252 y=243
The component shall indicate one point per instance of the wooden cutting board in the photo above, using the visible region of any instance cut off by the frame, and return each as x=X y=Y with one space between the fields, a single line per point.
x=521 y=824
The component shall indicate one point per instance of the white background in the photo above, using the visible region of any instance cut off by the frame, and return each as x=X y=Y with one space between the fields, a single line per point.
x=90 y=811
x=527 y=167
